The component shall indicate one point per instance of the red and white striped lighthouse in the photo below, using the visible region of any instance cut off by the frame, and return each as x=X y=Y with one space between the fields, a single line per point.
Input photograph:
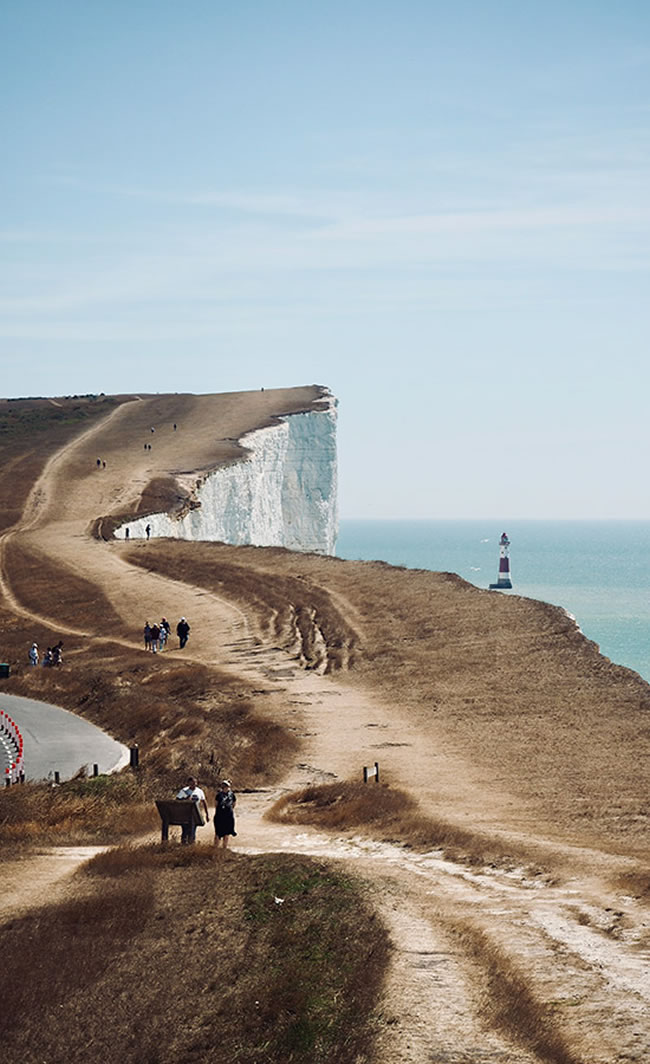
x=504 y=580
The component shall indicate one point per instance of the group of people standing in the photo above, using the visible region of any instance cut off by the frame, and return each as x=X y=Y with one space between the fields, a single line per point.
x=53 y=655
x=224 y=811
x=156 y=636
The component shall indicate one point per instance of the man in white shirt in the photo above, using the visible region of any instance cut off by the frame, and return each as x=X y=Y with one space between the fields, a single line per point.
x=193 y=793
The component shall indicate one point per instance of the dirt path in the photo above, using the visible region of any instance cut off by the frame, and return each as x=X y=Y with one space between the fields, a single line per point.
x=466 y=941
x=39 y=880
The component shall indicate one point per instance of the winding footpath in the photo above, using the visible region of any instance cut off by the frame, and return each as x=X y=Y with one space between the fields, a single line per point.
x=581 y=952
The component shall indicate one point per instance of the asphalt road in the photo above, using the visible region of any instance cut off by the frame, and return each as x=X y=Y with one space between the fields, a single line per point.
x=58 y=741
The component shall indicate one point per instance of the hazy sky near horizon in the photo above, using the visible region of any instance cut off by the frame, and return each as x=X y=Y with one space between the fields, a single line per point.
x=442 y=212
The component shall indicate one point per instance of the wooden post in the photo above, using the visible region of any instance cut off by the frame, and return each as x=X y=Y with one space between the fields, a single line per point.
x=95 y=770
x=134 y=756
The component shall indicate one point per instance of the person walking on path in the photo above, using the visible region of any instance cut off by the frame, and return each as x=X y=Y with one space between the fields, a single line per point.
x=148 y=531
x=33 y=654
x=155 y=636
x=182 y=631
x=224 y=814
x=162 y=637
x=147 y=635
x=193 y=793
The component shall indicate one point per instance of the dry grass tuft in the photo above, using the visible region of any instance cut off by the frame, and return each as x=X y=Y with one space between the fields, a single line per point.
x=390 y=814
x=343 y=805
x=637 y=884
x=126 y=859
x=509 y=1003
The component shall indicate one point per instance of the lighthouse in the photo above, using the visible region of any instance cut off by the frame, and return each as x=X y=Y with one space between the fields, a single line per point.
x=504 y=580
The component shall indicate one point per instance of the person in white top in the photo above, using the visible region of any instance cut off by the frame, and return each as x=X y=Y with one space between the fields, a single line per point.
x=193 y=792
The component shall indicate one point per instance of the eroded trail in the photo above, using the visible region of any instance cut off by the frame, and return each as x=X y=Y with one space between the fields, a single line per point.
x=469 y=942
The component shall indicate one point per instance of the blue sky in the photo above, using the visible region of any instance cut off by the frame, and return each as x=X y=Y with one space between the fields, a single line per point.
x=441 y=212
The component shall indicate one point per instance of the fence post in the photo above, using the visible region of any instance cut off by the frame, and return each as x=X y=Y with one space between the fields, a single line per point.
x=134 y=756
x=57 y=777
x=95 y=770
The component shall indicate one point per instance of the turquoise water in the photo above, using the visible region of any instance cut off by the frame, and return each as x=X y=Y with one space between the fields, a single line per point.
x=597 y=570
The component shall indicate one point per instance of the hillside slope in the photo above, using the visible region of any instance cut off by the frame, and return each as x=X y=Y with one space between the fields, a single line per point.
x=495 y=714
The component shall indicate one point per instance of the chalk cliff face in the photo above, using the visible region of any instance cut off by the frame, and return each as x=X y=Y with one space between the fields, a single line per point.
x=282 y=493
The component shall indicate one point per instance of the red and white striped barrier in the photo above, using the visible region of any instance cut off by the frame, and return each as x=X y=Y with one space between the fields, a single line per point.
x=15 y=769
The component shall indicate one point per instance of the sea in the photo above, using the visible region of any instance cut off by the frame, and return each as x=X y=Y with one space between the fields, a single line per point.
x=599 y=571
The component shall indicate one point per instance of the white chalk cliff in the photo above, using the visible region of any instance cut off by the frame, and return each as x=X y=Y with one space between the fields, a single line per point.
x=282 y=493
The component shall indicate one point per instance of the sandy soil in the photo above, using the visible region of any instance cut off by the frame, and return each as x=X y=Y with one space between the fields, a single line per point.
x=577 y=947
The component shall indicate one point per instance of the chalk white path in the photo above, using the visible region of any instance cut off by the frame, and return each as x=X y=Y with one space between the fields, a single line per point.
x=58 y=741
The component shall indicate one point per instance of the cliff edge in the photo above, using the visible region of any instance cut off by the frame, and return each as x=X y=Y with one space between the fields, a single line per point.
x=275 y=484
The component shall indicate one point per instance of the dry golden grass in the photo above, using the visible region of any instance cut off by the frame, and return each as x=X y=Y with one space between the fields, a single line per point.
x=30 y=431
x=289 y=611
x=507 y=683
x=183 y=717
x=184 y=954
x=636 y=884
x=63 y=596
x=99 y=809
x=390 y=814
x=509 y=1004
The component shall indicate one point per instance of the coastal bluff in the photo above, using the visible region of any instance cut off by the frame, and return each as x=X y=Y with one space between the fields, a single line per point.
x=269 y=479
x=522 y=858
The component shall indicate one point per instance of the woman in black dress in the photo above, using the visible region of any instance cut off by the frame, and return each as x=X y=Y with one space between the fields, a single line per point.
x=224 y=814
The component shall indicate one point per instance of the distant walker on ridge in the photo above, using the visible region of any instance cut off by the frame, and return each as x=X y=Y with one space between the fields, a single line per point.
x=182 y=631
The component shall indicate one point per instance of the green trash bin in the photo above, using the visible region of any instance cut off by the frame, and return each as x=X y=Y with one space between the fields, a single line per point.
x=4 y=670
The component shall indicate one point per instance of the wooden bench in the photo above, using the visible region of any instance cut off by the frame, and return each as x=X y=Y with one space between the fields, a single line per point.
x=178 y=811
